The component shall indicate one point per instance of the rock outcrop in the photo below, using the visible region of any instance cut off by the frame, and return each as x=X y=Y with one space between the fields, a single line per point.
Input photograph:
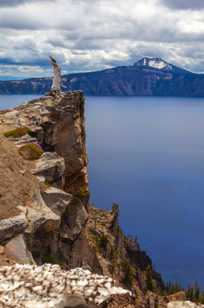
x=46 y=216
x=57 y=125
x=22 y=207
x=118 y=255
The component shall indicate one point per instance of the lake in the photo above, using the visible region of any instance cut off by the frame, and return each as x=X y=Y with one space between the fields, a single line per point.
x=147 y=154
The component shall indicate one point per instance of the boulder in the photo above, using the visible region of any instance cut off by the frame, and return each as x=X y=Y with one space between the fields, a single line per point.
x=75 y=301
x=178 y=296
x=40 y=216
x=73 y=220
x=51 y=167
x=57 y=200
x=11 y=226
x=17 y=250
x=183 y=304
x=120 y=301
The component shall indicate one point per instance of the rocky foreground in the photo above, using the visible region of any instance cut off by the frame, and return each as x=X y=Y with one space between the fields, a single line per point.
x=49 y=286
x=56 y=250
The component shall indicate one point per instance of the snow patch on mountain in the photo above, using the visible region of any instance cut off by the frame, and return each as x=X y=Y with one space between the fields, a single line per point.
x=156 y=63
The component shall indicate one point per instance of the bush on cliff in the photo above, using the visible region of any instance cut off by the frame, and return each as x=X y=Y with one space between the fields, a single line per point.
x=129 y=273
x=30 y=151
x=19 y=132
x=82 y=193
x=149 y=279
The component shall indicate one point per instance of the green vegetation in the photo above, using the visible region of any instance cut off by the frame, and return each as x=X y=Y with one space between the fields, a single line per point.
x=114 y=258
x=52 y=260
x=44 y=185
x=194 y=294
x=101 y=241
x=82 y=193
x=129 y=273
x=149 y=279
x=172 y=288
x=19 y=132
x=30 y=151
x=115 y=208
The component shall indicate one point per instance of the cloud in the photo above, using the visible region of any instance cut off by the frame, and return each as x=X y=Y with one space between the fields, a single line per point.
x=184 y=4
x=97 y=34
x=9 y=3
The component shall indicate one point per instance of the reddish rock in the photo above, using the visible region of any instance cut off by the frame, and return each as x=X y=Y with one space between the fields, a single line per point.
x=178 y=296
x=120 y=301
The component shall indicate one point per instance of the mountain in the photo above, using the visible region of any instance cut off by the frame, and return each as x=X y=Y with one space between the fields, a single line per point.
x=147 y=77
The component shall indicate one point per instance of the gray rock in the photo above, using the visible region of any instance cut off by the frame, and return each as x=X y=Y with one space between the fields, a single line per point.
x=74 y=301
x=51 y=166
x=57 y=200
x=12 y=226
x=73 y=220
x=17 y=250
x=39 y=215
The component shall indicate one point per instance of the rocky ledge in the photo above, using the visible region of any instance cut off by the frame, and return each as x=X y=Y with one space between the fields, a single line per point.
x=46 y=217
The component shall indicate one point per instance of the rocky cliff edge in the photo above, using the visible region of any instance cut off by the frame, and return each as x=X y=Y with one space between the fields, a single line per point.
x=45 y=213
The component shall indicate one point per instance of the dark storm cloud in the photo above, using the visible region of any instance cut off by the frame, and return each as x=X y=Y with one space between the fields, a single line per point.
x=184 y=4
x=27 y=23
x=9 y=3
x=43 y=62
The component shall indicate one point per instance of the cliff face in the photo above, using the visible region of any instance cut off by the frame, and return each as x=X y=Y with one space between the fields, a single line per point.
x=55 y=210
x=44 y=197
x=57 y=125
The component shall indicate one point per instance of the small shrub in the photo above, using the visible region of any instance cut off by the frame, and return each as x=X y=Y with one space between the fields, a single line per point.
x=129 y=274
x=193 y=293
x=30 y=151
x=19 y=132
x=149 y=279
x=173 y=287
x=115 y=208
x=82 y=193
x=100 y=239
x=52 y=260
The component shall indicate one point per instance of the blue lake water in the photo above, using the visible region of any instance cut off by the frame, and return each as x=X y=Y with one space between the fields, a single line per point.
x=147 y=154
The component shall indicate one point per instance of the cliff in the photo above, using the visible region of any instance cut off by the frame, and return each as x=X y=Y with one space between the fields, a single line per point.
x=147 y=77
x=44 y=184
x=44 y=202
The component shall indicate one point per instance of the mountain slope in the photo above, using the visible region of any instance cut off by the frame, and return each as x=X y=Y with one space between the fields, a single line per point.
x=147 y=77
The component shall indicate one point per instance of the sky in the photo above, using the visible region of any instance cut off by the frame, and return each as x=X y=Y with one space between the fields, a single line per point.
x=87 y=35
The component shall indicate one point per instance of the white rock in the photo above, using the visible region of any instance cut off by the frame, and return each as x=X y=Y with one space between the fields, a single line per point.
x=185 y=304
x=42 y=286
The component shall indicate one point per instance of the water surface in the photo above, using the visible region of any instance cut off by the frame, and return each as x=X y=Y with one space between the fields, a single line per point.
x=147 y=154
x=10 y=101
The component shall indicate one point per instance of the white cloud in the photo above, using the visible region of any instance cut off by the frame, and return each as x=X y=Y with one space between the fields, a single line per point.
x=95 y=34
